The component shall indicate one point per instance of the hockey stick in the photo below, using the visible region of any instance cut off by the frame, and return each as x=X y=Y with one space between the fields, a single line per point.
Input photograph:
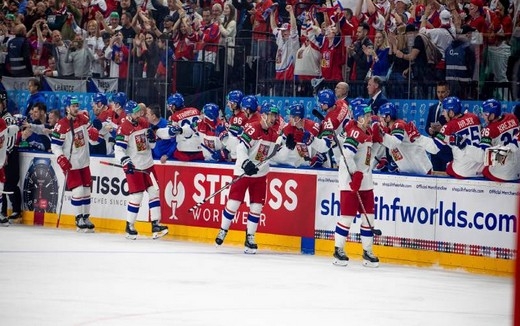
x=320 y=116
x=152 y=177
x=235 y=179
x=66 y=176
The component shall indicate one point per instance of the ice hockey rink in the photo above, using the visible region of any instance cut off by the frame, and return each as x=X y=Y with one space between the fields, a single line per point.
x=60 y=277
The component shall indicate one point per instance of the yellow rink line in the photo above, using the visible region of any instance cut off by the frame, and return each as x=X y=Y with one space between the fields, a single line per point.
x=398 y=255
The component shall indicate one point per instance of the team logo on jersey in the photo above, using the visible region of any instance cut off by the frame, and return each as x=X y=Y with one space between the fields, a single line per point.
x=140 y=142
x=174 y=195
x=79 y=139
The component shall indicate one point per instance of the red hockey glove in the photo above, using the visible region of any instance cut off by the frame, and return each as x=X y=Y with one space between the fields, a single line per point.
x=355 y=184
x=412 y=131
x=64 y=163
x=381 y=164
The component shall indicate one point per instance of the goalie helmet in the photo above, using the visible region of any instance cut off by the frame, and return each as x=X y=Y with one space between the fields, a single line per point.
x=388 y=109
x=452 y=103
x=492 y=106
x=326 y=97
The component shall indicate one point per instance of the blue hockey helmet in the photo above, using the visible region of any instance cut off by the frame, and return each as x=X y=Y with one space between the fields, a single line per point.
x=131 y=107
x=249 y=102
x=357 y=101
x=297 y=110
x=492 y=106
x=327 y=97
x=388 y=109
x=210 y=110
x=452 y=103
x=71 y=100
x=100 y=97
x=119 y=98
x=361 y=110
x=268 y=107
x=235 y=96
x=176 y=99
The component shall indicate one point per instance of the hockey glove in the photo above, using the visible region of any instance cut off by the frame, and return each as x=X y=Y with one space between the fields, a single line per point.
x=290 y=142
x=64 y=163
x=308 y=138
x=174 y=131
x=377 y=133
x=393 y=168
x=457 y=140
x=249 y=167
x=318 y=160
x=150 y=135
x=128 y=166
x=412 y=131
x=355 y=184
x=381 y=165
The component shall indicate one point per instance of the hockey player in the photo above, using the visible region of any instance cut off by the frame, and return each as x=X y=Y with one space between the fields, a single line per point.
x=335 y=116
x=257 y=142
x=106 y=117
x=236 y=123
x=295 y=152
x=210 y=128
x=133 y=149
x=118 y=103
x=409 y=157
x=69 y=142
x=12 y=166
x=356 y=187
x=4 y=221
x=461 y=133
x=499 y=141
x=183 y=126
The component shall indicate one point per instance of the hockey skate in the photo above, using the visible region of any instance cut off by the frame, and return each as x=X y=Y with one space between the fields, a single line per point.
x=89 y=224
x=15 y=217
x=369 y=259
x=340 y=258
x=81 y=226
x=4 y=221
x=250 y=244
x=158 y=231
x=220 y=237
x=131 y=233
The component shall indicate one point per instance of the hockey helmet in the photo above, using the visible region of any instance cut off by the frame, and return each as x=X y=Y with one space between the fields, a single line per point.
x=235 y=96
x=100 y=97
x=71 y=100
x=268 y=107
x=176 y=99
x=210 y=110
x=357 y=101
x=297 y=110
x=452 y=103
x=119 y=98
x=327 y=97
x=132 y=107
x=361 y=110
x=388 y=109
x=249 y=102
x=492 y=106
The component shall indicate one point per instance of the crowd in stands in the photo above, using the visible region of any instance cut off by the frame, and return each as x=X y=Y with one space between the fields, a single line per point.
x=424 y=41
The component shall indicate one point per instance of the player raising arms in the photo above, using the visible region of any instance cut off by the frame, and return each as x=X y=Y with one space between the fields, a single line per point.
x=257 y=142
x=499 y=140
x=133 y=149
x=356 y=187
x=69 y=142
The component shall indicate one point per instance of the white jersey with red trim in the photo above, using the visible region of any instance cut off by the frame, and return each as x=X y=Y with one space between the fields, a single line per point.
x=256 y=144
x=504 y=132
x=63 y=138
x=357 y=148
x=409 y=157
x=187 y=119
x=210 y=140
x=236 y=126
x=132 y=141
x=301 y=154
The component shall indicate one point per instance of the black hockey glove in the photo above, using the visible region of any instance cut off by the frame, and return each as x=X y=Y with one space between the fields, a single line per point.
x=290 y=142
x=249 y=167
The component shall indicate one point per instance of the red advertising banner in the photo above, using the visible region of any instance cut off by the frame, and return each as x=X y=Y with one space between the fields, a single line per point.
x=289 y=208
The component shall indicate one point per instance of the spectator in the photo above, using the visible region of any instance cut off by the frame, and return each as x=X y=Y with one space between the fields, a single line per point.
x=113 y=23
x=59 y=49
x=288 y=44
x=18 y=59
x=38 y=35
x=228 y=32
x=94 y=42
x=117 y=53
x=81 y=57
x=307 y=63
x=182 y=42
x=332 y=54
x=460 y=63
x=359 y=54
x=380 y=62
x=50 y=70
x=147 y=52
x=35 y=95
x=127 y=30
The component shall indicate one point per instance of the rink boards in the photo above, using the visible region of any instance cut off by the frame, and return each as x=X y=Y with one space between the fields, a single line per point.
x=467 y=224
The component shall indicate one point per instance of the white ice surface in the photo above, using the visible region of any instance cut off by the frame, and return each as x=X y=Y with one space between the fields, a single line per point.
x=59 y=277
